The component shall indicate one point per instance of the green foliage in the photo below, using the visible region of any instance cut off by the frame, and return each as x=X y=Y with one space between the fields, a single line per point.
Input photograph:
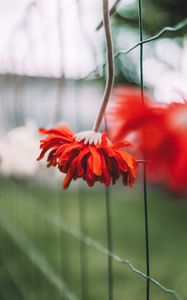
x=156 y=15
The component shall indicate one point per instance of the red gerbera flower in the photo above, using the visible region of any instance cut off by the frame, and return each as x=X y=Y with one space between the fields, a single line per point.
x=165 y=135
x=176 y=116
x=129 y=113
x=103 y=162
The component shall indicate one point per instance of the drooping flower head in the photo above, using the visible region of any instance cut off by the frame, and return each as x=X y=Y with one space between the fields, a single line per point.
x=103 y=162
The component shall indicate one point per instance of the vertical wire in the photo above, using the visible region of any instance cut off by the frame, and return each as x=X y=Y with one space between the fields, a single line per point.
x=57 y=118
x=31 y=221
x=109 y=242
x=45 y=290
x=82 y=209
x=146 y=217
x=109 y=231
x=64 y=257
x=18 y=210
x=83 y=249
x=106 y=96
x=58 y=201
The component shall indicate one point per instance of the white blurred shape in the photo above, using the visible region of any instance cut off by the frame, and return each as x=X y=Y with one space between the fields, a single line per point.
x=169 y=51
x=171 y=88
x=153 y=70
x=19 y=150
x=167 y=71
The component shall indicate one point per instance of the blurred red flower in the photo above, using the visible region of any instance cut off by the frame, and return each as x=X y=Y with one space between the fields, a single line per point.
x=176 y=116
x=128 y=112
x=160 y=133
x=103 y=162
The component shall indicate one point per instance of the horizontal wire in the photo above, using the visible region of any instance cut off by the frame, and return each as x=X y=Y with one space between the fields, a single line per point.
x=175 y=28
x=76 y=233
x=37 y=258
x=143 y=161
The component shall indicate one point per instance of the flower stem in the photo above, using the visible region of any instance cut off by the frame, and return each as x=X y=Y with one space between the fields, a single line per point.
x=112 y=11
x=110 y=65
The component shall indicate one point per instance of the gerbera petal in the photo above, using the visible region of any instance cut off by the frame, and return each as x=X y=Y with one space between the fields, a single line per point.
x=104 y=141
x=81 y=169
x=52 y=159
x=71 y=173
x=122 y=144
x=67 y=180
x=105 y=178
x=89 y=175
x=97 y=165
x=61 y=130
x=61 y=149
x=73 y=147
x=127 y=158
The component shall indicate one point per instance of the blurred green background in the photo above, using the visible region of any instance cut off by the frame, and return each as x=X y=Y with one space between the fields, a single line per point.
x=39 y=249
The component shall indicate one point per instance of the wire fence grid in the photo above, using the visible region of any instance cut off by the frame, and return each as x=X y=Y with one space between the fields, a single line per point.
x=20 y=219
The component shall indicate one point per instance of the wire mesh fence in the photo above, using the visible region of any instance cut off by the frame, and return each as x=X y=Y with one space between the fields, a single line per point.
x=44 y=243
x=64 y=244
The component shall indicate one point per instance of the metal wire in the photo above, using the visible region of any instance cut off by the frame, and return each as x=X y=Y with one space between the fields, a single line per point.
x=109 y=230
x=14 y=278
x=76 y=233
x=109 y=242
x=166 y=29
x=146 y=221
x=37 y=258
x=83 y=250
x=82 y=211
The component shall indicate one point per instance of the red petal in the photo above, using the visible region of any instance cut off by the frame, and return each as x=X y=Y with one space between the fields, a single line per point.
x=71 y=173
x=67 y=180
x=105 y=178
x=89 y=170
x=97 y=166
x=73 y=147
x=127 y=158
x=80 y=165
x=61 y=130
x=104 y=141
x=122 y=144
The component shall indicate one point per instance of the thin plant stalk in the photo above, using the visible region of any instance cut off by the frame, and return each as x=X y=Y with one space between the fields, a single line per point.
x=110 y=65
